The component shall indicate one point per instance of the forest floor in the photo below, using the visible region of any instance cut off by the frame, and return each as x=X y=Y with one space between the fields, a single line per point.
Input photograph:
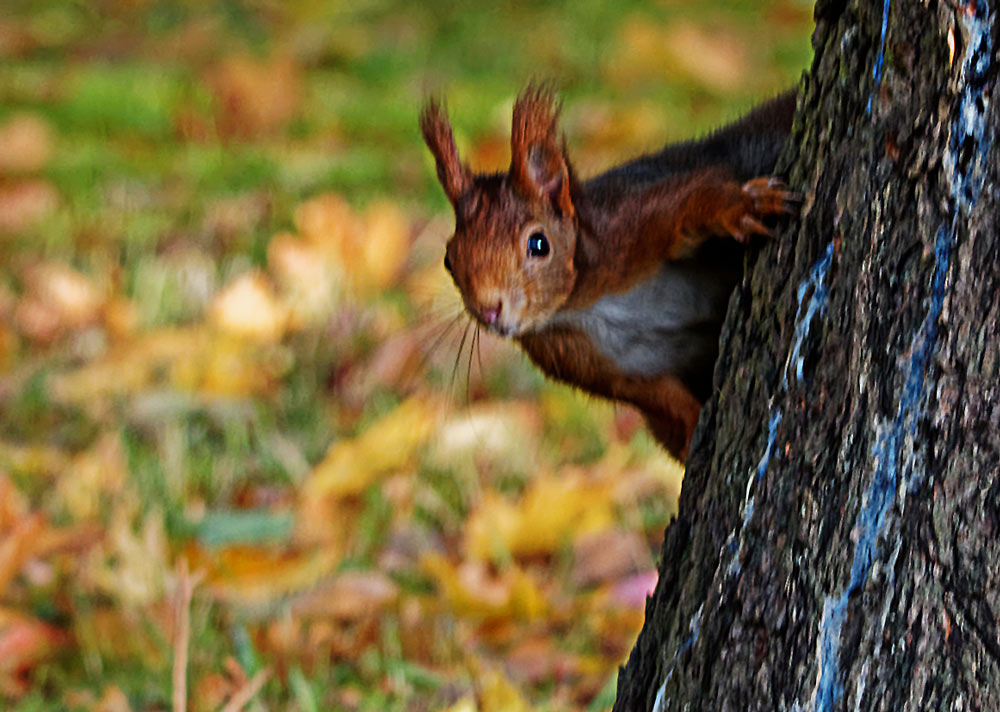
x=230 y=363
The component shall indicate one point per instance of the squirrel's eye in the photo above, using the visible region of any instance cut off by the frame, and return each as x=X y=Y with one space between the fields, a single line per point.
x=447 y=264
x=538 y=245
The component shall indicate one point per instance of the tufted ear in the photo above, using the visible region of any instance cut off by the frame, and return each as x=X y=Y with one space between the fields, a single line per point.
x=539 y=168
x=454 y=175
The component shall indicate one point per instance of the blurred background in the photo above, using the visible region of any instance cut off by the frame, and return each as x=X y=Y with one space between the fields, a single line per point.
x=228 y=348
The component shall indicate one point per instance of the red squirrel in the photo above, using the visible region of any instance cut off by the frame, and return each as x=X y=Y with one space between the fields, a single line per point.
x=618 y=284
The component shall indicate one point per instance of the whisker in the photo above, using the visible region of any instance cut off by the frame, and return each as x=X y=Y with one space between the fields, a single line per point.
x=479 y=353
x=443 y=330
x=468 y=368
x=458 y=358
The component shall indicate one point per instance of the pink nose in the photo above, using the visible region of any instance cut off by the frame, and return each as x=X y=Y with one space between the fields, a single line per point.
x=491 y=314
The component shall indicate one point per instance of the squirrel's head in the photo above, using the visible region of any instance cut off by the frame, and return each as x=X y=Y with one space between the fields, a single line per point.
x=515 y=233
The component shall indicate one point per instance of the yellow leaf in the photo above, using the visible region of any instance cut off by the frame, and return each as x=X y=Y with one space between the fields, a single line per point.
x=328 y=222
x=248 y=307
x=502 y=436
x=255 y=576
x=131 y=564
x=129 y=367
x=464 y=704
x=498 y=694
x=554 y=508
x=32 y=460
x=93 y=475
x=368 y=252
x=472 y=591
x=388 y=444
x=311 y=283
x=8 y=346
x=385 y=246
x=232 y=367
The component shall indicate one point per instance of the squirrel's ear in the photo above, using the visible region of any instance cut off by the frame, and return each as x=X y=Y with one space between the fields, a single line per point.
x=454 y=175
x=538 y=164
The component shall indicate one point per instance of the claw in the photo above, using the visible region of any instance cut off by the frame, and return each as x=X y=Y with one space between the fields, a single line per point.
x=752 y=225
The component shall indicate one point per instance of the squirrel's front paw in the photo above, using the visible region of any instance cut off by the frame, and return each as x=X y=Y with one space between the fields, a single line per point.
x=762 y=197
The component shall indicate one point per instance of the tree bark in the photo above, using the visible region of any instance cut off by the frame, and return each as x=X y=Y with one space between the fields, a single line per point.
x=837 y=543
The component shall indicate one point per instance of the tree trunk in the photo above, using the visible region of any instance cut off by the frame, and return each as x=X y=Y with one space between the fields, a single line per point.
x=837 y=545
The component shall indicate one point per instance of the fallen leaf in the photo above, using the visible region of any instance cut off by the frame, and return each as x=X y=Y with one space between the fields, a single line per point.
x=16 y=547
x=255 y=98
x=258 y=576
x=26 y=144
x=123 y=633
x=608 y=555
x=26 y=642
x=94 y=476
x=716 y=57
x=497 y=693
x=472 y=591
x=554 y=508
x=464 y=704
x=351 y=595
x=385 y=246
x=388 y=444
x=311 y=283
x=538 y=660
x=113 y=700
x=14 y=505
x=369 y=250
x=131 y=564
x=247 y=307
x=499 y=437
x=128 y=368
x=236 y=215
x=25 y=203
x=57 y=298
x=648 y=51
x=231 y=367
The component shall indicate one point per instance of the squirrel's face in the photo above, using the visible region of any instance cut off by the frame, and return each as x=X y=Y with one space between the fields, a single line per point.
x=512 y=252
x=512 y=261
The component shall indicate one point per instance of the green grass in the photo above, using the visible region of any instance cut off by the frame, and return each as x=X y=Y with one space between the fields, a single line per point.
x=116 y=82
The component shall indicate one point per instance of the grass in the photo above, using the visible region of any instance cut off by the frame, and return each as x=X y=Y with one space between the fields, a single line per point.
x=363 y=512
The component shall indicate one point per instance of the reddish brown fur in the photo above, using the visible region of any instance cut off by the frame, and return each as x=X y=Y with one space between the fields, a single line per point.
x=606 y=236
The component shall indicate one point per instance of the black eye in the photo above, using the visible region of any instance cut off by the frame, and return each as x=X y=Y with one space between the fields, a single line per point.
x=447 y=264
x=538 y=245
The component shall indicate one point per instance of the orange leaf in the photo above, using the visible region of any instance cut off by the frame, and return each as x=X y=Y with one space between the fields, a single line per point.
x=25 y=203
x=257 y=576
x=17 y=547
x=26 y=144
x=25 y=642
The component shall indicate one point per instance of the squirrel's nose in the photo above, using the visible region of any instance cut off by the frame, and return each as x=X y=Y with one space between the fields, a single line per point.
x=492 y=314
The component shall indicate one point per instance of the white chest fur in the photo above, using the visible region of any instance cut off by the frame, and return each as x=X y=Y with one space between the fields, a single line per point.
x=667 y=324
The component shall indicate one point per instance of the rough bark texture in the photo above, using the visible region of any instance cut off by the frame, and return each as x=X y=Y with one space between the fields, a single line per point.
x=837 y=544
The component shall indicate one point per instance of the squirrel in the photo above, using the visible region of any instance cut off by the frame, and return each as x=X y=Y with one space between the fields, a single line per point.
x=617 y=285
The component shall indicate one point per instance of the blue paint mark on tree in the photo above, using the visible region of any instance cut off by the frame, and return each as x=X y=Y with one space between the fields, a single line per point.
x=897 y=458
x=814 y=286
x=880 y=57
